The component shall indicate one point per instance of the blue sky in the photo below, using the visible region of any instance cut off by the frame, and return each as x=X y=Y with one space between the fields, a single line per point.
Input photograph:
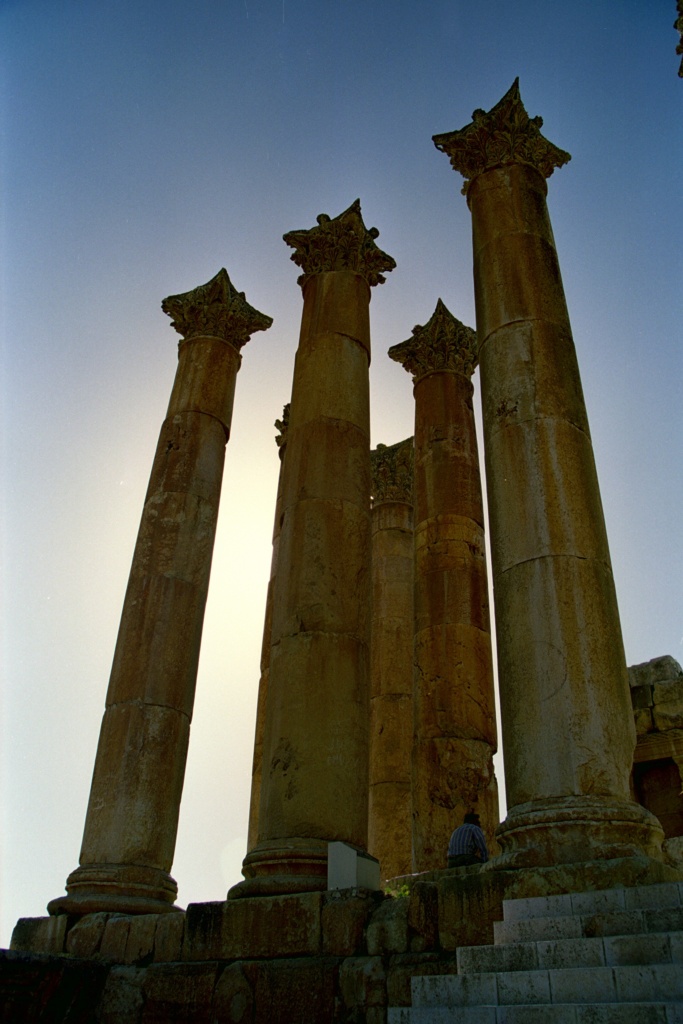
x=147 y=144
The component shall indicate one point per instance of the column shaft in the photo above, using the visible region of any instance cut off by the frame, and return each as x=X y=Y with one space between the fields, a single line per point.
x=455 y=723
x=314 y=785
x=567 y=723
x=391 y=703
x=132 y=818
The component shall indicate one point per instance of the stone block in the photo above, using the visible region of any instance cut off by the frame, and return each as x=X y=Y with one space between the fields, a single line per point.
x=605 y=902
x=404 y=967
x=288 y=991
x=86 y=935
x=622 y=950
x=122 y=999
x=583 y=985
x=653 y=897
x=344 y=916
x=643 y=720
x=668 y=716
x=655 y=671
x=637 y=983
x=625 y=922
x=423 y=917
x=233 y=999
x=141 y=937
x=178 y=992
x=267 y=926
x=641 y=696
x=362 y=983
x=522 y=956
x=537 y=928
x=526 y=987
x=570 y=953
x=387 y=930
x=168 y=937
x=455 y=990
x=40 y=934
x=668 y=692
x=537 y=906
x=38 y=987
x=115 y=937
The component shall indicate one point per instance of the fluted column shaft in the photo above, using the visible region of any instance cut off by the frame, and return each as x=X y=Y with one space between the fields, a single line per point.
x=314 y=785
x=567 y=723
x=132 y=818
x=454 y=706
x=257 y=763
x=391 y=660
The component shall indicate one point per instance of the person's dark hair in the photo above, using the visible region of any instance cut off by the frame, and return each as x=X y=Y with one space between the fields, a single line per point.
x=471 y=818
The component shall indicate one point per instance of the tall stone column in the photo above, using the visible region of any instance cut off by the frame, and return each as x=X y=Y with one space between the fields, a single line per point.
x=567 y=724
x=315 y=747
x=257 y=763
x=391 y=661
x=455 y=718
x=132 y=817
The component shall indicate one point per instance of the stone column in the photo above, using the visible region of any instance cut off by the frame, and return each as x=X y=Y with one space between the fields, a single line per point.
x=455 y=718
x=132 y=817
x=391 y=660
x=257 y=763
x=567 y=724
x=315 y=747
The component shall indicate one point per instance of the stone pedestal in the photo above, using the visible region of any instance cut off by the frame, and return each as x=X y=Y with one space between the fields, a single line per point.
x=455 y=722
x=132 y=816
x=315 y=745
x=391 y=674
x=566 y=717
x=257 y=764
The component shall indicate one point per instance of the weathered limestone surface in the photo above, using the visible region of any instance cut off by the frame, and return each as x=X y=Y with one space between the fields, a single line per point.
x=455 y=723
x=391 y=701
x=316 y=736
x=657 y=699
x=257 y=765
x=132 y=817
x=338 y=956
x=566 y=714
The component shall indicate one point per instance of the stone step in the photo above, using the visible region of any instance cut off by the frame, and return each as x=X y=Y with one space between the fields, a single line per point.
x=662 y=896
x=609 y=951
x=584 y=985
x=619 y=922
x=554 y=1013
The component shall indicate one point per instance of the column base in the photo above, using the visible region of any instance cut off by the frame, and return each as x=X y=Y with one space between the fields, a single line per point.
x=117 y=888
x=573 y=829
x=277 y=867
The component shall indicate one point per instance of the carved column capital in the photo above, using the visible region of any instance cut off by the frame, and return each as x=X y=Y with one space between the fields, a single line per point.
x=340 y=243
x=392 y=472
x=444 y=343
x=282 y=426
x=678 y=25
x=215 y=310
x=504 y=135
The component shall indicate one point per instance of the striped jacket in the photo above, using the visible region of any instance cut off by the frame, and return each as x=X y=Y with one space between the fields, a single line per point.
x=468 y=839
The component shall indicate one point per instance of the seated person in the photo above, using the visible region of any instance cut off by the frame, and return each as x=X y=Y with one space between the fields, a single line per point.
x=467 y=844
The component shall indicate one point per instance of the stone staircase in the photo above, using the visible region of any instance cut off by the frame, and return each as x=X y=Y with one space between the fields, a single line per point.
x=613 y=956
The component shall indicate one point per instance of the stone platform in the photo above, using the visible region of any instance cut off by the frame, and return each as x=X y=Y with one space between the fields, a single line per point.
x=338 y=957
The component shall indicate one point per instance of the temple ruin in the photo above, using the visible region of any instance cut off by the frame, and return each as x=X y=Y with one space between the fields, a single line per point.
x=376 y=727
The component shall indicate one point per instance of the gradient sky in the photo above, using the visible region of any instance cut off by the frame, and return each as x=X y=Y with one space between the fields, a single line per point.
x=146 y=144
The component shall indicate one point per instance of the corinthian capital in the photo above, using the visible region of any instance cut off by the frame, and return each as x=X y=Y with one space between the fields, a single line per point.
x=340 y=243
x=444 y=343
x=504 y=135
x=392 y=472
x=216 y=310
